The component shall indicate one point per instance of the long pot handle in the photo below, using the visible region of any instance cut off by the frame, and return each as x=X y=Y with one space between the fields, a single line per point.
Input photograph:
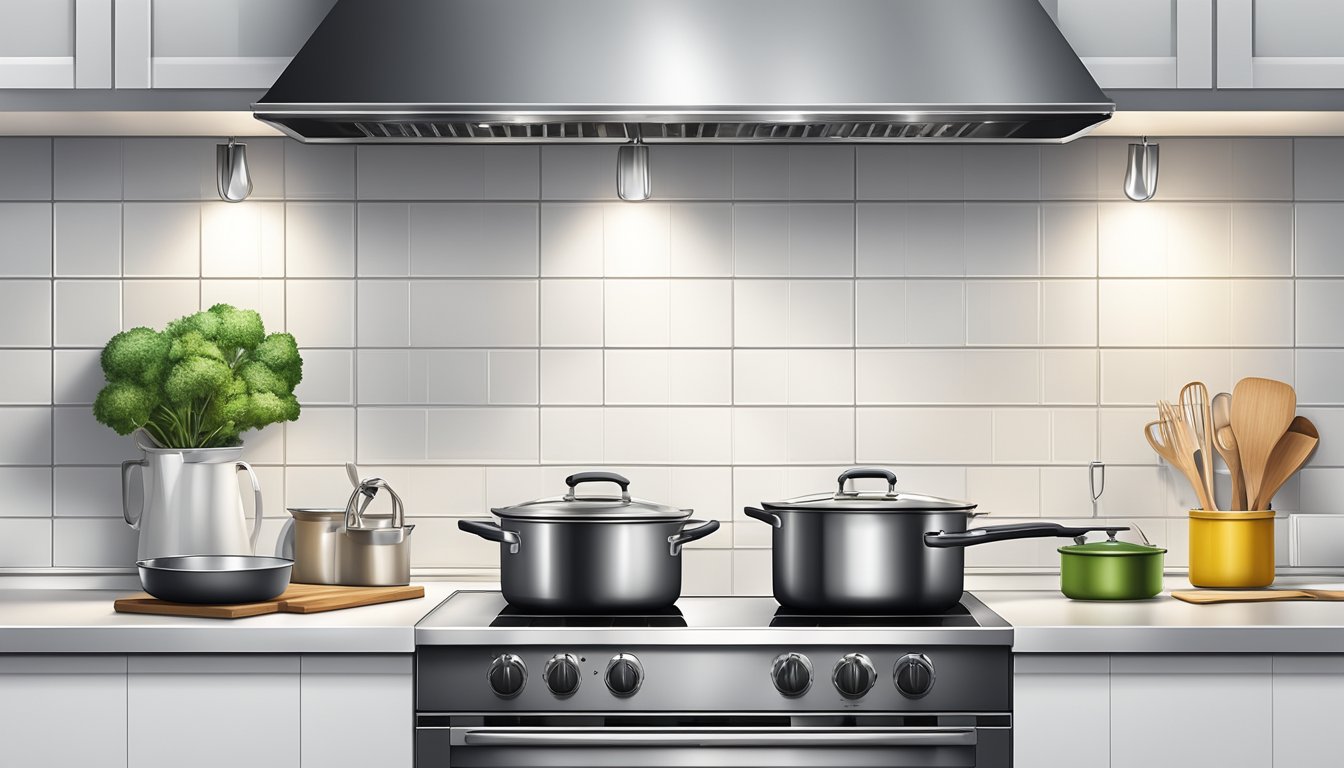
x=855 y=473
x=700 y=531
x=491 y=531
x=1005 y=532
x=126 y=467
x=243 y=466
x=574 y=480
x=765 y=517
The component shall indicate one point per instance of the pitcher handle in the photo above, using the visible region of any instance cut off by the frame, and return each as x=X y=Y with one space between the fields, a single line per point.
x=126 y=467
x=256 y=495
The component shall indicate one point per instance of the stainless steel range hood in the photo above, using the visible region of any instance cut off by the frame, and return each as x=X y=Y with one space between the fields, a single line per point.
x=530 y=71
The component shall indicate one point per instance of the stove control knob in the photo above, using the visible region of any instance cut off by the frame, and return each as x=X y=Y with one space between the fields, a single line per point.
x=914 y=675
x=624 y=674
x=792 y=674
x=562 y=674
x=854 y=675
x=507 y=675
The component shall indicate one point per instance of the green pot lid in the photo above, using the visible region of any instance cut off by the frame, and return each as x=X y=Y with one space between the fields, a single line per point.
x=1111 y=548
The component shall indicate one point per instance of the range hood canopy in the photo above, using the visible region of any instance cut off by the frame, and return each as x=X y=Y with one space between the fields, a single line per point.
x=594 y=71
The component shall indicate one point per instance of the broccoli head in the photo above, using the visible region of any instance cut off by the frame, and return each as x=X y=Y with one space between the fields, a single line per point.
x=238 y=329
x=138 y=355
x=124 y=406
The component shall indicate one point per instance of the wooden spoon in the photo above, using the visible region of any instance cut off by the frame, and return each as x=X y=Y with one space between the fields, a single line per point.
x=1197 y=414
x=1226 y=443
x=1178 y=448
x=1262 y=409
x=1288 y=457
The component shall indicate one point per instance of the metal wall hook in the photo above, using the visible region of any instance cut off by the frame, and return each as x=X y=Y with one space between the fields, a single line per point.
x=1096 y=482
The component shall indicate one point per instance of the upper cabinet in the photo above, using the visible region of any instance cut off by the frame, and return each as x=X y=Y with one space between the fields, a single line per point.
x=1280 y=44
x=214 y=44
x=56 y=44
x=1140 y=43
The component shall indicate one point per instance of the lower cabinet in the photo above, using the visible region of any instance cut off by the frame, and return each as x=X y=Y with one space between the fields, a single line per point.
x=63 y=710
x=1308 y=704
x=1061 y=711
x=357 y=711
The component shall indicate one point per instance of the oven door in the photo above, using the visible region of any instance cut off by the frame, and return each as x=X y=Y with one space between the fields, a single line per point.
x=492 y=747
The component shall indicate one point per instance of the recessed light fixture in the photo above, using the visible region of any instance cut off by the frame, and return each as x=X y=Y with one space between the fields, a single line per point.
x=235 y=182
x=632 y=171
x=1141 y=171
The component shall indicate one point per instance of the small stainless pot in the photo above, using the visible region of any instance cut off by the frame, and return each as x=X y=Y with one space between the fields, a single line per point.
x=591 y=554
x=370 y=553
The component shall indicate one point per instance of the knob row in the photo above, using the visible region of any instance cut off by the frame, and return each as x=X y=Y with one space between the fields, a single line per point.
x=853 y=676
x=508 y=675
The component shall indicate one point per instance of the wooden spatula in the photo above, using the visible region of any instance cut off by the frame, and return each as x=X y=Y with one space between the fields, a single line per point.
x=1262 y=409
x=1288 y=456
x=1226 y=443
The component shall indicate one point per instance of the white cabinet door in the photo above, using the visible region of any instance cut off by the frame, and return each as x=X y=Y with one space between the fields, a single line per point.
x=1177 y=711
x=56 y=44
x=215 y=44
x=373 y=693
x=1061 y=711
x=1281 y=44
x=213 y=711
x=1308 y=700
x=1140 y=43
x=66 y=710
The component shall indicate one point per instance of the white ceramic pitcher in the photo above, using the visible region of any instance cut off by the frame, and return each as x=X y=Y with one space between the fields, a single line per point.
x=191 y=504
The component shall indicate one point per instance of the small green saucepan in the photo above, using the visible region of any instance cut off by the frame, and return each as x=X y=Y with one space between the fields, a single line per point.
x=1110 y=570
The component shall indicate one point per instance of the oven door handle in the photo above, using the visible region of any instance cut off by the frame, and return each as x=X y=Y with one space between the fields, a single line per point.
x=949 y=737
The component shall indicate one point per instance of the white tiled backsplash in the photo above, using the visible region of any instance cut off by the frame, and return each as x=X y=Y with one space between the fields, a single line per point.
x=478 y=322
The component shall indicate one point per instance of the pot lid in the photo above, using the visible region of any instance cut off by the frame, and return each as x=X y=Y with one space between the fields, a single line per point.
x=1111 y=547
x=576 y=507
x=843 y=500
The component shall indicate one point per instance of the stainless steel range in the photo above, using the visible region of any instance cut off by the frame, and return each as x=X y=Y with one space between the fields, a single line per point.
x=711 y=682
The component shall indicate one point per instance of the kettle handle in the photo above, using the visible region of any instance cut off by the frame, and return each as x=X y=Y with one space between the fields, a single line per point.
x=243 y=466
x=126 y=467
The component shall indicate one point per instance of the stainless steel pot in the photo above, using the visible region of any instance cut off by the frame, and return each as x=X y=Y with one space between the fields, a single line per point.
x=215 y=579
x=890 y=552
x=591 y=554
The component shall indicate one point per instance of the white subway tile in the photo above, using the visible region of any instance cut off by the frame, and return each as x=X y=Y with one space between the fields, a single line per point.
x=242 y=240
x=700 y=240
x=578 y=172
x=1320 y=313
x=473 y=239
x=571 y=435
x=1005 y=491
x=387 y=377
x=1073 y=435
x=1002 y=376
x=453 y=376
x=1319 y=372
x=572 y=239
x=636 y=239
x=265 y=445
x=935 y=313
x=265 y=296
x=760 y=376
x=1065 y=492
x=760 y=436
x=924 y=435
x=1262 y=239
x=701 y=435
x=495 y=313
x=391 y=435
x=484 y=435
x=1318 y=168
x=751 y=572
x=820 y=435
x=1021 y=435
x=321 y=313
x=87 y=240
x=87 y=312
x=1211 y=366
x=821 y=313
x=383 y=239
x=879 y=239
x=1319 y=231
x=1262 y=313
x=161 y=239
x=1069 y=239
x=707 y=572
x=1069 y=313
x=320 y=239
x=26 y=250
x=909 y=172
x=1003 y=312
x=442 y=491
x=155 y=303
x=27 y=164
x=1132 y=313
x=1199 y=312
x=638 y=435
x=26 y=434
x=1121 y=435
x=27 y=379
x=1328 y=421
x=821 y=240
x=699 y=376
x=701 y=313
x=1003 y=239
x=761 y=240
x=637 y=313
x=68 y=434
x=321 y=436
x=883 y=376
x=571 y=376
x=1132 y=239
x=92 y=543
x=571 y=313
x=24 y=305
x=1131 y=492
x=1265 y=363
x=76 y=376
x=1262 y=169
x=1069 y=376
x=328 y=377
x=511 y=172
x=821 y=173
x=171 y=169
x=1133 y=376
x=880 y=312
x=820 y=376
x=638 y=377
x=438 y=172
x=936 y=239
x=1002 y=172
x=708 y=491
x=319 y=171
x=1195 y=169
x=84 y=491
x=1199 y=240
x=321 y=487
x=1069 y=171
x=1322 y=490
x=703 y=172
x=513 y=377
x=86 y=169
x=760 y=172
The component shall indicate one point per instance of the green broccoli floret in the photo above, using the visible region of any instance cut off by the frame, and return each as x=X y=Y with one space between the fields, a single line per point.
x=203 y=381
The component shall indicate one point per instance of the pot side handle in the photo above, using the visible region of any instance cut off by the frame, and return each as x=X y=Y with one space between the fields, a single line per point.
x=990 y=533
x=763 y=516
x=491 y=531
x=700 y=531
x=126 y=467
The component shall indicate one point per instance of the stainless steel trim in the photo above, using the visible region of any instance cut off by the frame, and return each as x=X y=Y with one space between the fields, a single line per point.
x=727 y=737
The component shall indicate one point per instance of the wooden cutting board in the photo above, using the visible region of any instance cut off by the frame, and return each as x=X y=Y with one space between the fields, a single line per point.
x=297 y=598
x=1207 y=597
